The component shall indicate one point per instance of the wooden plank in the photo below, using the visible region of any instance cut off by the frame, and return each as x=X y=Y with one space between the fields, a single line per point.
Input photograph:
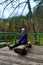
x=33 y=57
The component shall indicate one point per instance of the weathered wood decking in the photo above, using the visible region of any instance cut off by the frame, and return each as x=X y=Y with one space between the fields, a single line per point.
x=33 y=57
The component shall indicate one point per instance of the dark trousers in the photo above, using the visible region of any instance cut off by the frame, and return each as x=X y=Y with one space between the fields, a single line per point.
x=11 y=47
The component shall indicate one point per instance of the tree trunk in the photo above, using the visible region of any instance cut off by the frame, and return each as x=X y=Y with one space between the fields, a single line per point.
x=31 y=21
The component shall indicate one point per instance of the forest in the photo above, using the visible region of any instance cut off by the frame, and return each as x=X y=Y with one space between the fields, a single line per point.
x=32 y=21
x=15 y=23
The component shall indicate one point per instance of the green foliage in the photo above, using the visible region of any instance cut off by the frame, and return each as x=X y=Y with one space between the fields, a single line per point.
x=15 y=23
x=38 y=16
x=12 y=42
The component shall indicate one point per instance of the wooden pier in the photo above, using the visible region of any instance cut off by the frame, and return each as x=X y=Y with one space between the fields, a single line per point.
x=33 y=57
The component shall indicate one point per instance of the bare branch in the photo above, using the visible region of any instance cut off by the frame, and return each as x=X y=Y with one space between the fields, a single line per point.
x=16 y=7
x=23 y=9
x=3 y=1
x=7 y=5
x=11 y=3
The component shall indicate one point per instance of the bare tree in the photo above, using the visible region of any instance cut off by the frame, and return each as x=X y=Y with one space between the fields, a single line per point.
x=13 y=2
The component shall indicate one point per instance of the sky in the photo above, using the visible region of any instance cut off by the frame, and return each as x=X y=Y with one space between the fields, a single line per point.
x=17 y=12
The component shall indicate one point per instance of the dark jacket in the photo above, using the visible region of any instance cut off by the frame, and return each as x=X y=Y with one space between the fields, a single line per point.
x=23 y=38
